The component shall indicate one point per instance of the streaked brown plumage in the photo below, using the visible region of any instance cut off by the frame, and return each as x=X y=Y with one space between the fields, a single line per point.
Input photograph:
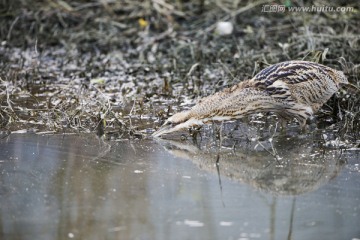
x=293 y=89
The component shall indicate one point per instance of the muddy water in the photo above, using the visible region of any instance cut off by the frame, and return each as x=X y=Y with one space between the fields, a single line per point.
x=79 y=187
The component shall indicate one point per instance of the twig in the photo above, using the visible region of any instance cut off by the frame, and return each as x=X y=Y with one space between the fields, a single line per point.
x=11 y=28
x=192 y=69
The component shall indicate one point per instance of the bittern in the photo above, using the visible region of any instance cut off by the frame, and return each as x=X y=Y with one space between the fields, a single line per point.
x=292 y=89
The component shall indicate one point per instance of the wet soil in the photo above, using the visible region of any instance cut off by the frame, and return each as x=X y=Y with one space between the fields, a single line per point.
x=120 y=68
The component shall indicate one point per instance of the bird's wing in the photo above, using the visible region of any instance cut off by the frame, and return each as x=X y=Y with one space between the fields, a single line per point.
x=278 y=79
x=291 y=72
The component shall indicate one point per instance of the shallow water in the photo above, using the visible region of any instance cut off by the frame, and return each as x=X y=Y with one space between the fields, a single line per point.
x=79 y=187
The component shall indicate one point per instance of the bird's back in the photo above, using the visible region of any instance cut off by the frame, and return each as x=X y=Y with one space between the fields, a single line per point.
x=303 y=82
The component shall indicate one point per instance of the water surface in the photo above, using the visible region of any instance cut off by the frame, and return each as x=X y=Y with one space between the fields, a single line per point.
x=79 y=187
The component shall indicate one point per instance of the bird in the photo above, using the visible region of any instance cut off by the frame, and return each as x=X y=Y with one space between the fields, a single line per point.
x=292 y=89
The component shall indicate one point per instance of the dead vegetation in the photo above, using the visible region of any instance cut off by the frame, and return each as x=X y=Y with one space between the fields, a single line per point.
x=120 y=67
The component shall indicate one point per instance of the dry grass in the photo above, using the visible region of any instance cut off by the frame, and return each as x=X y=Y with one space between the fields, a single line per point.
x=121 y=67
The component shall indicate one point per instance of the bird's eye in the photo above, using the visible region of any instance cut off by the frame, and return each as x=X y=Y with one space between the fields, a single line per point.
x=169 y=124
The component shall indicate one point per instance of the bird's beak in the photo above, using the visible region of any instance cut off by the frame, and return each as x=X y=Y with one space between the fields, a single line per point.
x=163 y=130
x=177 y=127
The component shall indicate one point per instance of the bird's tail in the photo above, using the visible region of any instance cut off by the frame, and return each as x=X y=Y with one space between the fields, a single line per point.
x=353 y=87
x=340 y=77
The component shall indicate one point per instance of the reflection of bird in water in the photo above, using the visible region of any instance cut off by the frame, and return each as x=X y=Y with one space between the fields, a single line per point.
x=302 y=167
x=293 y=89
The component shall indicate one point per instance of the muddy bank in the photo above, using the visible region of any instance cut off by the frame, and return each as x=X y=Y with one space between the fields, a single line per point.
x=122 y=67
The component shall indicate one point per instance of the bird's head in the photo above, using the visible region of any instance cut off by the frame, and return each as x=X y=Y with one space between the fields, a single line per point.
x=177 y=122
